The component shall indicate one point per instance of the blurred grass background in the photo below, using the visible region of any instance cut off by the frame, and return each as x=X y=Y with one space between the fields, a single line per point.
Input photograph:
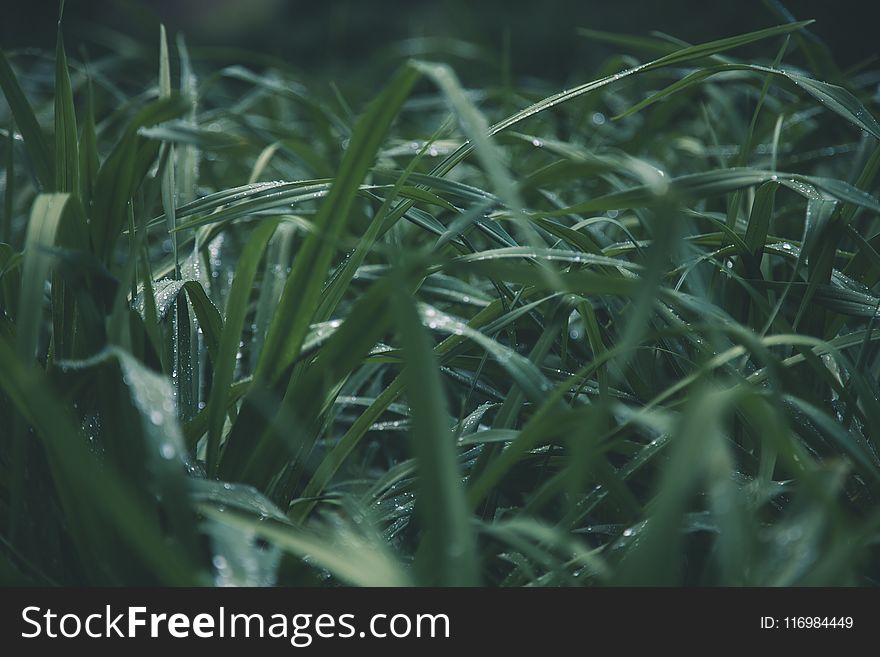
x=338 y=38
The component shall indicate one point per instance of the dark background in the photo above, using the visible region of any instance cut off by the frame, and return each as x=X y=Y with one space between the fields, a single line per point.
x=338 y=36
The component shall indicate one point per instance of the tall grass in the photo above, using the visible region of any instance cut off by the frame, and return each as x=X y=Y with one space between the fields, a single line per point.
x=623 y=335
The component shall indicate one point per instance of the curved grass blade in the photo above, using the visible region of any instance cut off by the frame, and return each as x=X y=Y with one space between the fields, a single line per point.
x=46 y=215
x=348 y=556
x=835 y=98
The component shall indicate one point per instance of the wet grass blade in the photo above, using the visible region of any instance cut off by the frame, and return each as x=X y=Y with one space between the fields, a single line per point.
x=122 y=173
x=31 y=132
x=90 y=489
x=236 y=309
x=302 y=291
x=169 y=179
x=67 y=174
x=447 y=551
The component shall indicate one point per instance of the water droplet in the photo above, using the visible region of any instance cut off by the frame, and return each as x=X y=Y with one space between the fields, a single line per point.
x=598 y=118
x=167 y=450
x=537 y=143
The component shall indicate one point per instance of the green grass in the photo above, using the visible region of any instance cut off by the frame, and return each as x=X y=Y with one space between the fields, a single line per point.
x=256 y=330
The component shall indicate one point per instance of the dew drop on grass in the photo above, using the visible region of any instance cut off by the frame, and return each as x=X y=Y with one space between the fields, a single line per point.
x=241 y=558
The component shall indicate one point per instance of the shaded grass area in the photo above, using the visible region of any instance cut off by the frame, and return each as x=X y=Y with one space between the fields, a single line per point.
x=253 y=333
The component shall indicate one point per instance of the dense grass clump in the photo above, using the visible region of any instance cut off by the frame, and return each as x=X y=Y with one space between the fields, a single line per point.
x=253 y=331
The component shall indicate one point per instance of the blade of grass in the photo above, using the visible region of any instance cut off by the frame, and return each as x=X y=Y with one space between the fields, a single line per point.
x=302 y=290
x=236 y=310
x=31 y=132
x=447 y=551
